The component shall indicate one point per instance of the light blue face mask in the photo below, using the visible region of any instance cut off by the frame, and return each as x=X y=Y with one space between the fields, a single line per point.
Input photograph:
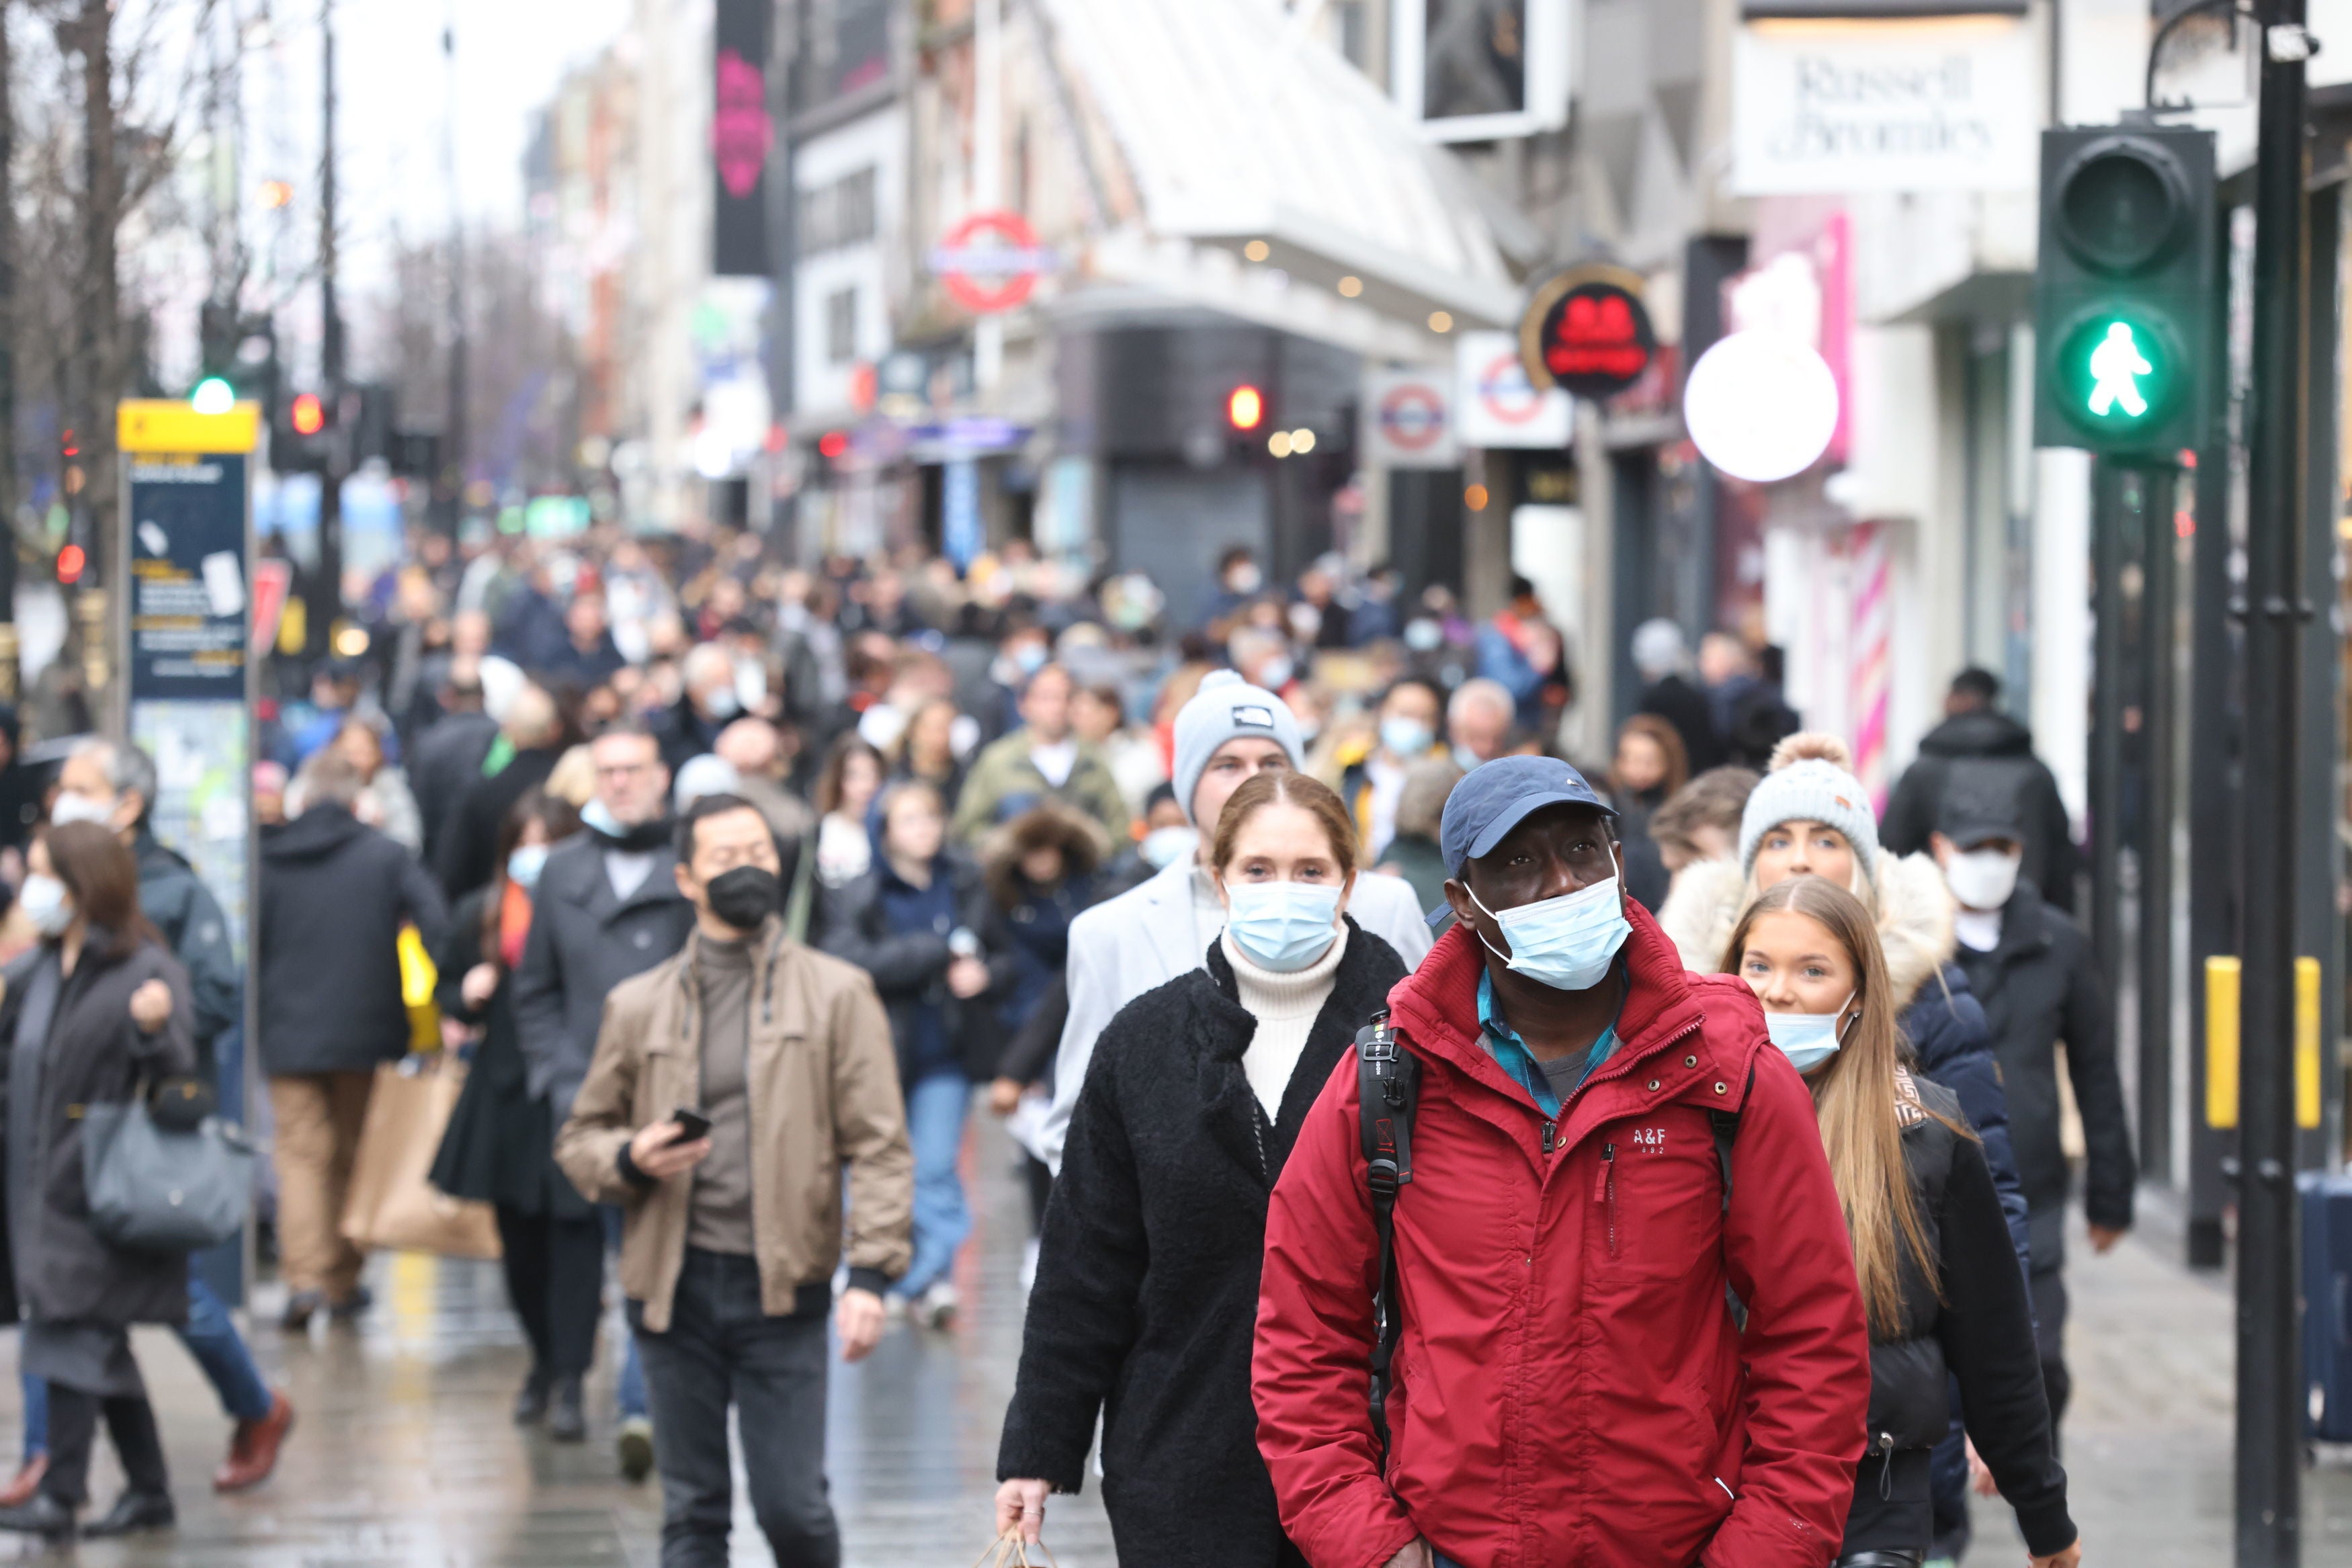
x=1282 y=925
x=1567 y=943
x=1808 y=1040
x=1405 y=738
x=524 y=865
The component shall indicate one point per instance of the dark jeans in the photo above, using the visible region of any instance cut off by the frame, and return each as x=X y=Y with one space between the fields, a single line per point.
x=555 y=1277
x=722 y=1348
x=73 y=1433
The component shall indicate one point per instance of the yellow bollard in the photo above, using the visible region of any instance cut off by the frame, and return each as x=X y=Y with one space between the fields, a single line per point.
x=2306 y=1043
x=2221 y=975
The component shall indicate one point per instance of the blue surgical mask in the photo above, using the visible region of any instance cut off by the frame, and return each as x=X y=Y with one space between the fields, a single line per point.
x=1282 y=925
x=524 y=865
x=1406 y=737
x=1567 y=943
x=598 y=816
x=1422 y=636
x=1163 y=847
x=45 y=903
x=1808 y=1040
x=1029 y=658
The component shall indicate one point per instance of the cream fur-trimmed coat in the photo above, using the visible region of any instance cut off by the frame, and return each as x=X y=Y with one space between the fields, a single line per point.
x=1912 y=905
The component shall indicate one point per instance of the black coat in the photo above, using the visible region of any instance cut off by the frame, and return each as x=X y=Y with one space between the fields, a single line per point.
x=445 y=762
x=910 y=967
x=2039 y=986
x=583 y=942
x=1146 y=1301
x=499 y=1147
x=1682 y=705
x=1987 y=760
x=467 y=854
x=95 y=1055
x=1973 y=1324
x=183 y=909
x=1952 y=1044
x=334 y=895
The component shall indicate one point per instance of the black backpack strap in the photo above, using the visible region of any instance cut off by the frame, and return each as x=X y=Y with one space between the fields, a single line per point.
x=1726 y=1125
x=1388 y=1080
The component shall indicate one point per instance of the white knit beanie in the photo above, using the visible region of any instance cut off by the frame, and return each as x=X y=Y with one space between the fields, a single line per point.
x=1227 y=707
x=1811 y=781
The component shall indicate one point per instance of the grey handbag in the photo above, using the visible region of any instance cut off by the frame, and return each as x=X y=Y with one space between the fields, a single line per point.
x=156 y=1190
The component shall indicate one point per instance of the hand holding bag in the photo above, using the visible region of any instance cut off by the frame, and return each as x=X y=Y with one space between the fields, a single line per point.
x=154 y=1188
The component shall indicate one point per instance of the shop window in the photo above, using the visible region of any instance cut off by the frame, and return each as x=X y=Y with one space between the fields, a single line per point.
x=838 y=213
x=841 y=326
x=1473 y=71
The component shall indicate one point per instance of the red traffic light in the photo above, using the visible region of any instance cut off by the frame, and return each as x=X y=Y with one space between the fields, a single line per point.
x=70 y=560
x=1245 y=407
x=309 y=416
x=833 y=442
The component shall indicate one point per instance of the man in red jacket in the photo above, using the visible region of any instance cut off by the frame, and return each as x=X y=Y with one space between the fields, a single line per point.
x=1570 y=1387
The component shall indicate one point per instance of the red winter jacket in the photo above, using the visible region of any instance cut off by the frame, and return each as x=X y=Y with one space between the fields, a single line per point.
x=1570 y=1389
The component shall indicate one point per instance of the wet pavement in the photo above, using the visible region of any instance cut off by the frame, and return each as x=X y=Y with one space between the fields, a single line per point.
x=404 y=1456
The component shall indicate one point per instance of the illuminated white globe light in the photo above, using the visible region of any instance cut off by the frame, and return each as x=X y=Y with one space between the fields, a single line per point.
x=213 y=395
x=1762 y=405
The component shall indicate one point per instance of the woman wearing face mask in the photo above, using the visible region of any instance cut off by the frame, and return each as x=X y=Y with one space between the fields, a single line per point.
x=1146 y=1286
x=915 y=922
x=1938 y=1272
x=499 y=1145
x=98 y=1011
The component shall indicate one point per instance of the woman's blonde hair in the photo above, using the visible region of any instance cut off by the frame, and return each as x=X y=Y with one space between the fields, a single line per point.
x=1855 y=1097
x=1317 y=798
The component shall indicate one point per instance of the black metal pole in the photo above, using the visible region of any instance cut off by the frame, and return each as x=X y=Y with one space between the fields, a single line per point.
x=2110 y=515
x=2269 y=1409
x=450 y=484
x=331 y=356
x=2159 y=503
x=2319 y=929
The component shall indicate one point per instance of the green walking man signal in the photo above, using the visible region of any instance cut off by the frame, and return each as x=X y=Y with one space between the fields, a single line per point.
x=2116 y=365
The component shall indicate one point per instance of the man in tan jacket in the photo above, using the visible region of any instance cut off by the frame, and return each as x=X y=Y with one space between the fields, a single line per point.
x=781 y=1056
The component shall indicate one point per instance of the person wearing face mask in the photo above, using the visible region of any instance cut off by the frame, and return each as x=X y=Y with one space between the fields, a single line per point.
x=733 y=1233
x=602 y=912
x=1226 y=735
x=2033 y=968
x=1240 y=581
x=1931 y=1249
x=1045 y=757
x=1478 y=722
x=709 y=702
x=1148 y=1269
x=499 y=1147
x=1600 y=1144
x=1373 y=777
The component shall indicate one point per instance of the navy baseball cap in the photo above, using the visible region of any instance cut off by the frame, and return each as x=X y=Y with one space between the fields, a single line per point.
x=1497 y=796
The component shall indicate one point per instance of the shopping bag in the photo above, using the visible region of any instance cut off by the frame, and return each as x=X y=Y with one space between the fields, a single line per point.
x=153 y=1187
x=390 y=1203
x=1011 y=1552
x=418 y=977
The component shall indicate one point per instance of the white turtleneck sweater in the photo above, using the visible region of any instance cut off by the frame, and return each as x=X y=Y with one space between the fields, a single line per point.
x=1285 y=1007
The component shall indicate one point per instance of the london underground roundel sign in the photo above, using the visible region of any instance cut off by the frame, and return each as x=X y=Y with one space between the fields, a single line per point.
x=1587 y=332
x=991 y=261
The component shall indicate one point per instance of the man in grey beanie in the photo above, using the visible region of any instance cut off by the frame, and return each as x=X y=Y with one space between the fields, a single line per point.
x=1230 y=732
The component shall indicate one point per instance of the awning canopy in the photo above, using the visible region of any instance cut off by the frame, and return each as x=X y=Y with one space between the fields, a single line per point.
x=1235 y=128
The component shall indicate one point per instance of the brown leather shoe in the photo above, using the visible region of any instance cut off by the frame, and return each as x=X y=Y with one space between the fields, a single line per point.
x=253 y=1450
x=19 y=1492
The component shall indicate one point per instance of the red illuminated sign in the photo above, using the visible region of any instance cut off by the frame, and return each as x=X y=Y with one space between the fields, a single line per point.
x=1588 y=333
x=991 y=262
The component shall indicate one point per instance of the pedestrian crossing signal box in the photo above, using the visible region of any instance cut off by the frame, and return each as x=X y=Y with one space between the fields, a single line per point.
x=2124 y=290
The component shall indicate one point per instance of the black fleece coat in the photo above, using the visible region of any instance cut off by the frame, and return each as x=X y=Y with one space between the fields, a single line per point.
x=1146 y=1301
x=1979 y=1331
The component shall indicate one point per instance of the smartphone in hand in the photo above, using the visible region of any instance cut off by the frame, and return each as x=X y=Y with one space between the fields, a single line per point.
x=696 y=1124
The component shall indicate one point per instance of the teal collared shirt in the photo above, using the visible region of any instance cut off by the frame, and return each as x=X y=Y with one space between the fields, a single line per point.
x=1503 y=1044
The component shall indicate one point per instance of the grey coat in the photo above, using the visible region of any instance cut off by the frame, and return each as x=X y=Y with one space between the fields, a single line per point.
x=92 y=1054
x=583 y=942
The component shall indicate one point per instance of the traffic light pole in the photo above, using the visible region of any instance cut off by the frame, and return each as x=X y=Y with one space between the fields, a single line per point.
x=2269 y=1410
x=331 y=356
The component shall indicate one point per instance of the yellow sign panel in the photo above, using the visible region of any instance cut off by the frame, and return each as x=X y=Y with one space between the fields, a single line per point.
x=169 y=424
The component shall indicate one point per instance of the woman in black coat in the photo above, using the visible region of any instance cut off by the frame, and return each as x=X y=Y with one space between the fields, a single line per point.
x=1146 y=1299
x=499 y=1145
x=95 y=1012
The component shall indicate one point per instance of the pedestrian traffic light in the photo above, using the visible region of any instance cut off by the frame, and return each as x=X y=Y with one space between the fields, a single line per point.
x=2123 y=290
x=309 y=416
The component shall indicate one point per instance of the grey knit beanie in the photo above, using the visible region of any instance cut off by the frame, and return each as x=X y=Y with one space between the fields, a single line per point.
x=1811 y=781
x=1227 y=707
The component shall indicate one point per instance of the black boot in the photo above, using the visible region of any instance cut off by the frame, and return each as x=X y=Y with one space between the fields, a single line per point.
x=531 y=1402
x=567 y=1420
x=133 y=1512
x=45 y=1516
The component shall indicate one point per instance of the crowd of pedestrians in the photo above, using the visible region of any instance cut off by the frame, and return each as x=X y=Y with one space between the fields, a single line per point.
x=1669 y=1147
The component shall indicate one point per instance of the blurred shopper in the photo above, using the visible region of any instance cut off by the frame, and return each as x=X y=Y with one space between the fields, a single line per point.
x=846 y=791
x=1563 y=1150
x=1100 y=719
x=448 y=756
x=2033 y=969
x=1663 y=659
x=1148 y=1274
x=385 y=803
x=334 y=895
x=1045 y=757
x=499 y=1145
x=709 y=703
x=913 y=923
x=1650 y=764
x=604 y=910
x=1374 y=778
x=1229 y=732
x=532 y=737
x=1478 y=722
x=1240 y=581
x=114 y=785
x=755 y=749
x=1981 y=755
x=96 y=1011
x=1933 y=1258
x=1413 y=854
x=1700 y=822
x=589 y=655
x=1526 y=653
x=925 y=749
x=20 y=794
x=1761 y=717
x=732 y=1238
x=1040 y=875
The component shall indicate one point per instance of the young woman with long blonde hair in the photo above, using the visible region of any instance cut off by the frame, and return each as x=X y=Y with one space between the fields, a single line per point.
x=1940 y=1281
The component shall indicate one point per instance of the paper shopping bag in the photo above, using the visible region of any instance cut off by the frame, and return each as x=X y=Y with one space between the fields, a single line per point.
x=391 y=1204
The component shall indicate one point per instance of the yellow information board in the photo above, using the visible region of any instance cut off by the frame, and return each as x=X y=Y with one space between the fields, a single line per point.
x=170 y=425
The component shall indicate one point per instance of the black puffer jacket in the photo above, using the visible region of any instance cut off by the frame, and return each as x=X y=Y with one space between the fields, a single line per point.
x=1979 y=1331
x=910 y=967
x=1146 y=1301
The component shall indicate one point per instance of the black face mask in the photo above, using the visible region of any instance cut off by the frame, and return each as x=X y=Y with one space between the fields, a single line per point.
x=745 y=896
